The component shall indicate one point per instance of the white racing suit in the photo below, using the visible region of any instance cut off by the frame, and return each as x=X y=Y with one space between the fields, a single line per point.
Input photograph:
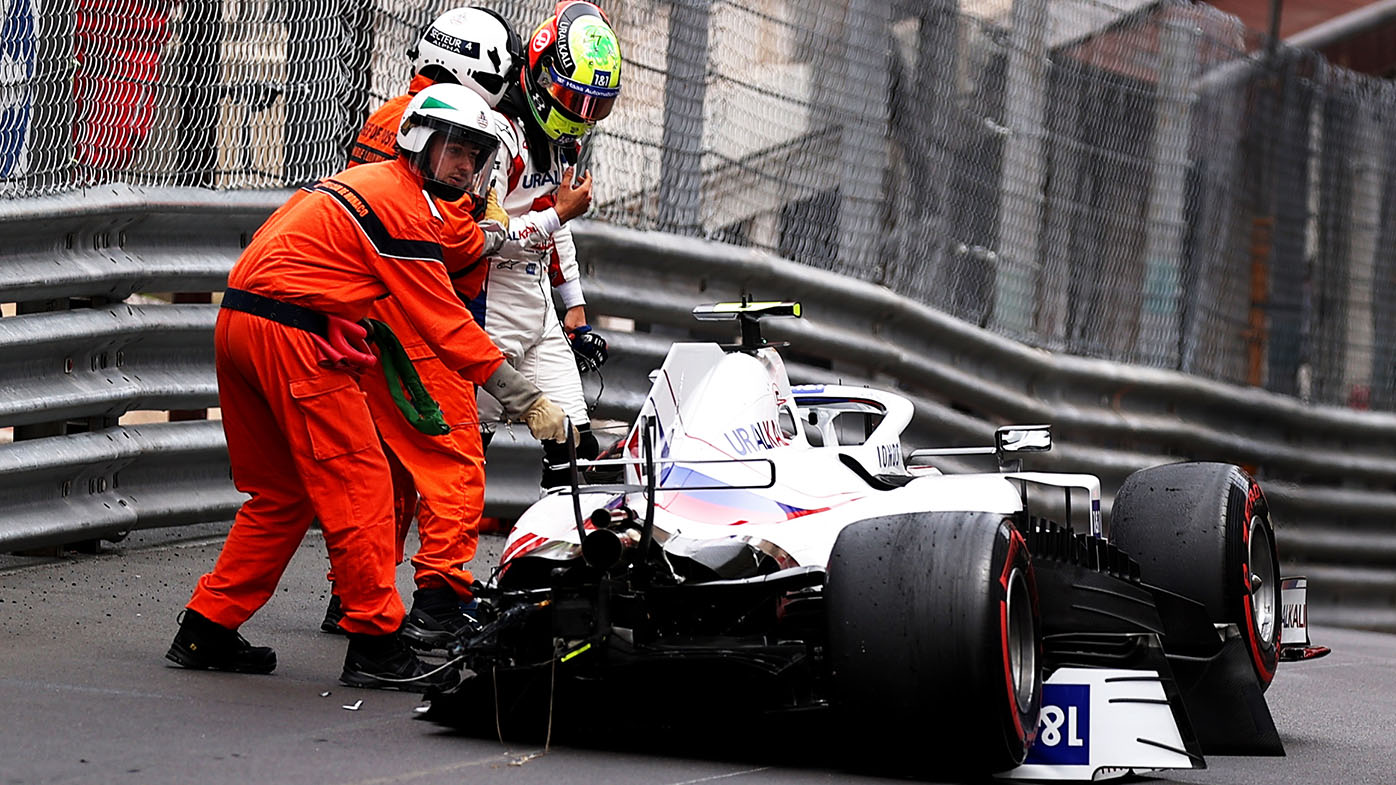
x=516 y=306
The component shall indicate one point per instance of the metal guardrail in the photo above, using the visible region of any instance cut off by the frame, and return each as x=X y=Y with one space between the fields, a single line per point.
x=76 y=359
x=65 y=365
x=103 y=484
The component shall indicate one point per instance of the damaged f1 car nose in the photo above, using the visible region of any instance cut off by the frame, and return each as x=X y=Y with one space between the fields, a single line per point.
x=774 y=541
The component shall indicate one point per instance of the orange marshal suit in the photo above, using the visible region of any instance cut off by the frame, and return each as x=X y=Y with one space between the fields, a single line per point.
x=301 y=438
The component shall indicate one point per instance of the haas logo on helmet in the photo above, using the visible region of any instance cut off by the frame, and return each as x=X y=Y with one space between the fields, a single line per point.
x=541 y=40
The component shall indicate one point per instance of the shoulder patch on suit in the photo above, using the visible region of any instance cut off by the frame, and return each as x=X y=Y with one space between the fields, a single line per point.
x=375 y=231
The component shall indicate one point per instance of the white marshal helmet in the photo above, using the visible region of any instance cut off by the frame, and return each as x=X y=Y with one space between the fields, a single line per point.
x=457 y=115
x=475 y=46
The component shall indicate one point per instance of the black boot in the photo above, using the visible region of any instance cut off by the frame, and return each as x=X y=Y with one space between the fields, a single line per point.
x=383 y=662
x=436 y=620
x=202 y=644
x=333 y=613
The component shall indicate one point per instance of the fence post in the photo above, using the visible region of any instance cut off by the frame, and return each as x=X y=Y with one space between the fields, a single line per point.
x=198 y=68
x=863 y=143
x=1291 y=172
x=921 y=110
x=1022 y=175
x=1367 y=173
x=681 y=160
x=1163 y=250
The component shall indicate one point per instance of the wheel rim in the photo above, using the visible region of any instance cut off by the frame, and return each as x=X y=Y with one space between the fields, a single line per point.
x=1022 y=644
x=1265 y=584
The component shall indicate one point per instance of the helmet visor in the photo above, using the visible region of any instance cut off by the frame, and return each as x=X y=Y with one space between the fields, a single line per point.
x=585 y=102
x=559 y=127
x=460 y=158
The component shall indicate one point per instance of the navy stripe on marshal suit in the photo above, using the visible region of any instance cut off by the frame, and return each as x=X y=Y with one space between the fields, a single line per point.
x=373 y=228
x=362 y=153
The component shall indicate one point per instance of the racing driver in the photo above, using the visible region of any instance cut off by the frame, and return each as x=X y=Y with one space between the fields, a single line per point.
x=569 y=81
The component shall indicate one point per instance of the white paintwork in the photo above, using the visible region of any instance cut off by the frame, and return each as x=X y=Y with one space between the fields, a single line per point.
x=1294 y=611
x=740 y=410
x=733 y=407
x=1086 y=482
x=716 y=405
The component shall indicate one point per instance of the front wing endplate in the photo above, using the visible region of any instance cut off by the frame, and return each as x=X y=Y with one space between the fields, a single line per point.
x=1102 y=723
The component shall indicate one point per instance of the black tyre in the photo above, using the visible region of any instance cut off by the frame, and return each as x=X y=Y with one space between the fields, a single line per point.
x=1203 y=530
x=519 y=707
x=934 y=644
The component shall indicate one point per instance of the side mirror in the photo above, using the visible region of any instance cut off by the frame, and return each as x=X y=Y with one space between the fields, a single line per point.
x=1022 y=438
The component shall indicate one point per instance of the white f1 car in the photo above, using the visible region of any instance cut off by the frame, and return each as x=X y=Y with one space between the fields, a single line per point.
x=774 y=543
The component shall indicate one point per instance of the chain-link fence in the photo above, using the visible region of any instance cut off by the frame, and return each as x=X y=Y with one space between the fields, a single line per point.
x=1139 y=181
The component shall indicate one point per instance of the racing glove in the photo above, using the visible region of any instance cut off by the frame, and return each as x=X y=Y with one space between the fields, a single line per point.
x=344 y=346
x=588 y=348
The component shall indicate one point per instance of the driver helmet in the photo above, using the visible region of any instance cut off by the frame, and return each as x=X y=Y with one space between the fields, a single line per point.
x=472 y=46
x=572 y=75
x=462 y=163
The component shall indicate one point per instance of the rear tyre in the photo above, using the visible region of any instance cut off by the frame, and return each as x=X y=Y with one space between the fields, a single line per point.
x=934 y=643
x=1203 y=530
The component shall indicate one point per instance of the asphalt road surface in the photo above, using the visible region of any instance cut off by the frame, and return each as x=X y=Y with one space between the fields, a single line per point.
x=86 y=696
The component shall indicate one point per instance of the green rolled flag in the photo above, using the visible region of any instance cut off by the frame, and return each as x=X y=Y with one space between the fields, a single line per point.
x=411 y=397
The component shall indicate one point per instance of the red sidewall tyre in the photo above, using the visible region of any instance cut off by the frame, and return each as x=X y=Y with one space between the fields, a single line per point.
x=934 y=640
x=1203 y=530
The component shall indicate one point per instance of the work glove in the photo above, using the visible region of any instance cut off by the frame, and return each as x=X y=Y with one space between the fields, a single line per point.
x=514 y=392
x=494 y=212
x=344 y=346
x=546 y=420
x=588 y=348
x=522 y=400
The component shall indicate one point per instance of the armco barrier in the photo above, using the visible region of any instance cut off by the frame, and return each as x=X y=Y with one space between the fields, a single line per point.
x=77 y=358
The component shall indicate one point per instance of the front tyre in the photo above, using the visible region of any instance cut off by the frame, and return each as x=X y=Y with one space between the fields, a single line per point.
x=1203 y=530
x=934 y=643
